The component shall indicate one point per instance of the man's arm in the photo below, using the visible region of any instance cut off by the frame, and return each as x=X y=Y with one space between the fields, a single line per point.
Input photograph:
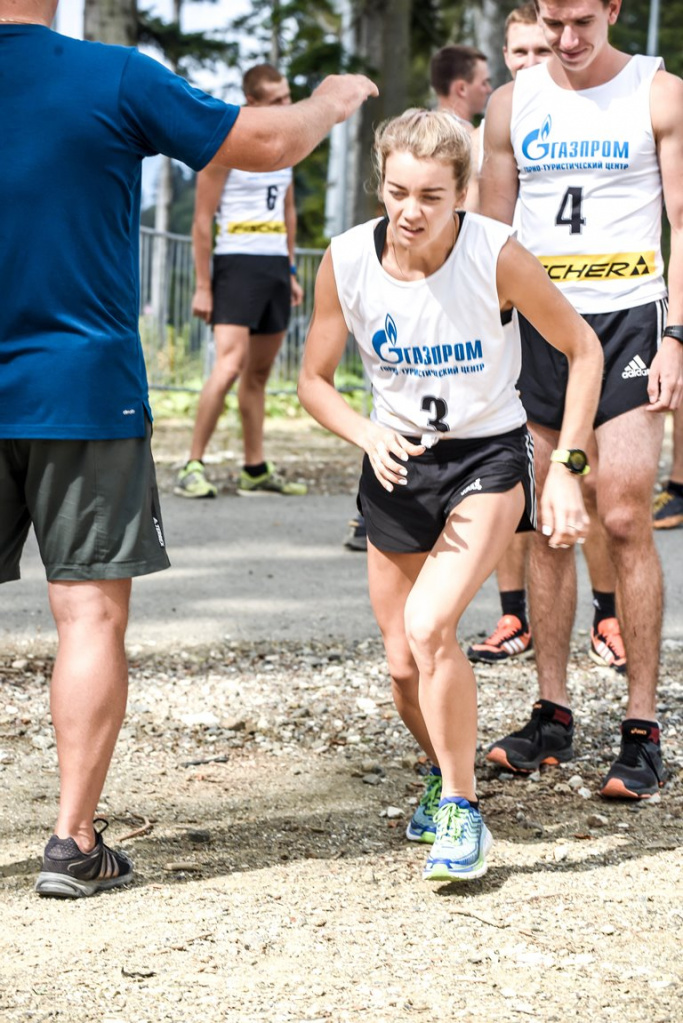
x=665 y=384
x=523 y=283
x=472 y=200
x=498 y=181
x=269 y=138
x=290 y=224
x=210 y=185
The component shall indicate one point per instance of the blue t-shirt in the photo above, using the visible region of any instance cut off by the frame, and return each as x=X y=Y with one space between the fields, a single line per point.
x=76 y=121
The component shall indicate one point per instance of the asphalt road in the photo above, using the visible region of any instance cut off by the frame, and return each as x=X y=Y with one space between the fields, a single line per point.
x=268 y=568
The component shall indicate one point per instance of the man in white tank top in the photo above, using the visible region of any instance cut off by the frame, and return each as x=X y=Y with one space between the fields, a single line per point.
x=590 y=142
x=246 y=294
x=525 y=46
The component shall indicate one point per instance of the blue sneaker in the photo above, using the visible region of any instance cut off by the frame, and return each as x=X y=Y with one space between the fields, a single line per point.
x=461 y=844
x=422 y=827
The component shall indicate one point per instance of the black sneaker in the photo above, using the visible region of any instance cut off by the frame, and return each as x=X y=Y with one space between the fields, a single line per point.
x=68 y=873
x=357 y=537
x=638 y=771
x=546 y=739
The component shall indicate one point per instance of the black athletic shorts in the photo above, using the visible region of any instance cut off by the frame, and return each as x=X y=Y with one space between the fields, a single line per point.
x=252 y=291
x=411 y=517
x=630 y=339
x=93 y=504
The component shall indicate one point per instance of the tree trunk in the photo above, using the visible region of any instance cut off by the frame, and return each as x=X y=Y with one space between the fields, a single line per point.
x=488 y=24
x=383 y=34
x=162 y=217
x=275 y=41
x=111 y=21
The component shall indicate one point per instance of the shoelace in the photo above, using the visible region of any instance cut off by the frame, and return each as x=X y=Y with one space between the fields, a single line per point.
x=631 y=753
x=432 y=794
x=452 y=822
x=531 y=729
x=505 y=629
x=609 y=632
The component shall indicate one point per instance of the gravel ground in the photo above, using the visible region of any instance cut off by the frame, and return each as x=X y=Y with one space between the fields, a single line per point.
x=262 y=791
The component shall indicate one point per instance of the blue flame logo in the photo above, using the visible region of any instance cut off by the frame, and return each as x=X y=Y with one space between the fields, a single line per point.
x=535 y=145
x=388 y=336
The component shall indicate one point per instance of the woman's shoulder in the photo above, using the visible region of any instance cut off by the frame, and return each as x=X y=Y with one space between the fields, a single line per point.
x=354 y=233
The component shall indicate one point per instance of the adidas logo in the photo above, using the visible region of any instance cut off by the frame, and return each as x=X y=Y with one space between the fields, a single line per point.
x=473 y=486
x=635 y=368
x=160 y=535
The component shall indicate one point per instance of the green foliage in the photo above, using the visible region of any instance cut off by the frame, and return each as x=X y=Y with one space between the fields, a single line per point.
x=186 y=51
x=303 y=40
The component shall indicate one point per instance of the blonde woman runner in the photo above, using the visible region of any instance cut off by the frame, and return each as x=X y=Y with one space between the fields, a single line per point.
x=447 y=476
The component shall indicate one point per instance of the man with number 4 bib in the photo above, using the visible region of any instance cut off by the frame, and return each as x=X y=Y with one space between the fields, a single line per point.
x=591 y=142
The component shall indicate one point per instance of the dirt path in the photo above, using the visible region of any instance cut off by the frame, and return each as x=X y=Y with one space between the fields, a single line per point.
x=269 y=785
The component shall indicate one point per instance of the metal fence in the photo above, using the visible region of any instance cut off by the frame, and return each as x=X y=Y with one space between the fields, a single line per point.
x=178 y=346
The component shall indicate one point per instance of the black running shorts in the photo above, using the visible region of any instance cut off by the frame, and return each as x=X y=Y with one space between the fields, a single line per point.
x=411 y=517
x=93 y=504
x=252 y=291
x=630 y=339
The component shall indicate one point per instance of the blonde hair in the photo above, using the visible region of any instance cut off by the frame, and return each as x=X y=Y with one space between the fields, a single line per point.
x=426 y=135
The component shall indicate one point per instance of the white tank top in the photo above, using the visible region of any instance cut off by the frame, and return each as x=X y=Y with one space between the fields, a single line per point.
x=439 y=360
x=590 y=189
x=251 y=215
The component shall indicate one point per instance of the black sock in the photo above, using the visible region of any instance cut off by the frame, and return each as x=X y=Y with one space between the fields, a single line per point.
x=675 y=488
x=555 y=712
x=513 y=602
x=256 y=470
x=635 y=728
x=605 y=607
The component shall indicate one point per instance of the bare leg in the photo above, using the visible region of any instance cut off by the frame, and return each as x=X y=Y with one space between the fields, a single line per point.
x=263 y=349
x=232 y=344
x=88 y=695
x=552 y=591
x=676 y=474
x=391 y=577
x=474 y=538
x=511 y=569
x=601 y=569
x=624 y=492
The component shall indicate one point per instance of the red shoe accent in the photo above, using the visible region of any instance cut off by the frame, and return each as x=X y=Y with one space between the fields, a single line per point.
x=615 y=789
x=499 y=756
x=607 y=647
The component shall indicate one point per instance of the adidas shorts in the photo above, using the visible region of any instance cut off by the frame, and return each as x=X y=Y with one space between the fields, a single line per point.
x=252 y=291
x=93 y=504
x=630 y=339
x=410 y=519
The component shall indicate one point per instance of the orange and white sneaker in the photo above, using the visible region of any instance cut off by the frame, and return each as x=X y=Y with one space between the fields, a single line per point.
x=509 y=639
x=607 y=647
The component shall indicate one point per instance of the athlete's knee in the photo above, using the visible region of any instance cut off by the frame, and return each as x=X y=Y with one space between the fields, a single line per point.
x=255 y=378
x=625 y=522
x=91 y=608
x=402 y=669
x=425 y=632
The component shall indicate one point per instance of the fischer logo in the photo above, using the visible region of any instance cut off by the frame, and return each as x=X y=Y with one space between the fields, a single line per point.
x=473 y=486
x=635 y=368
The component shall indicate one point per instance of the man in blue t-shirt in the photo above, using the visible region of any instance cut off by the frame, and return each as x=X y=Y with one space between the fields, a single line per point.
x=76 y=120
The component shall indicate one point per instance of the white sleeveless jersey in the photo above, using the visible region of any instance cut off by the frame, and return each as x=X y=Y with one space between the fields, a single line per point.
x=590 y=189
x=439 y=360
x=251 y=215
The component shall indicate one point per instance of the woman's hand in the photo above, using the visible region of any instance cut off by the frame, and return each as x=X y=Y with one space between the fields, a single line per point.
x=387 y=452
x=563 y=515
